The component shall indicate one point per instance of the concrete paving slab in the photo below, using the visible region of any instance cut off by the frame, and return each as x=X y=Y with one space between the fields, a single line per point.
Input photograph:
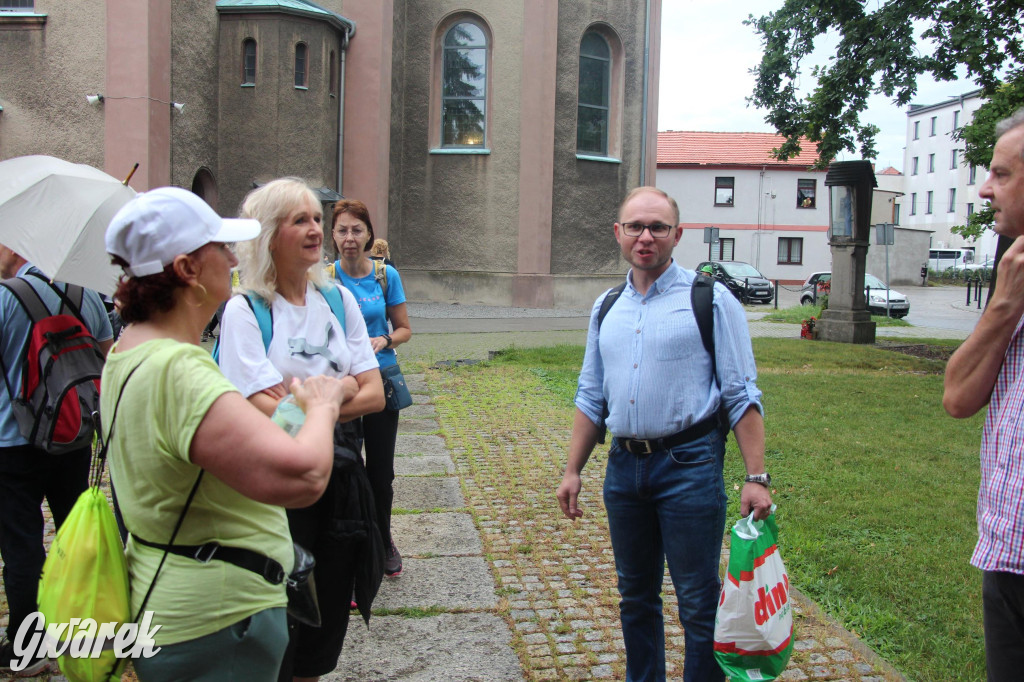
x=415 y=411
x=444 y=534
x=411 y=426
x=453 y=647
x=416 y=383
x=450 y=583
x=420 y=445
x=412 y=492
x=423 y=465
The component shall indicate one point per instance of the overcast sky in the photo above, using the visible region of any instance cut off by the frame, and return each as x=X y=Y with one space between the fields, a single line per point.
x=706 y=56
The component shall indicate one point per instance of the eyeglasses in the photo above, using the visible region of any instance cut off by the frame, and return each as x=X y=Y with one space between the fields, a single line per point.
x=657 y=230
x=355 y=232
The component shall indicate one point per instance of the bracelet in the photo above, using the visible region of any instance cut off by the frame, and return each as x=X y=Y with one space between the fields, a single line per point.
x=387 y=337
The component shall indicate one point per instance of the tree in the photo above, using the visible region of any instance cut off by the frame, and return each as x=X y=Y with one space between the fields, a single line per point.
x=877 y=53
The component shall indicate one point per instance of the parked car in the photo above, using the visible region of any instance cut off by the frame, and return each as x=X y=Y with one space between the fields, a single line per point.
x=874 y=289
x=985 y=267
x=742 y=279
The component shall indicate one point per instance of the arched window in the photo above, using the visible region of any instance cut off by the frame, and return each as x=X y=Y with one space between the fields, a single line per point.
x=248 y=62
x=301 y=65
x=464 y=86
x=594 y=109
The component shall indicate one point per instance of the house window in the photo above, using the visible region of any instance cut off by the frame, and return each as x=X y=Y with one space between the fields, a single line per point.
x=15 y=5
x=913 y=166
x=791 y=250
x=896 y=214
x=972 y=174
x=593 y=111
x=934 y=118
x=913 y=203
x=970 y=210
x=928 y=205
x=953 y=158
x=301 y=65
x=931 y=163
x=952 y=199
x=806 y=193
x=464 y=86
x=726 y=249
x=332 y=81
x=724 y=191
x=248 y=62
x=917 y=129
x=956 y=119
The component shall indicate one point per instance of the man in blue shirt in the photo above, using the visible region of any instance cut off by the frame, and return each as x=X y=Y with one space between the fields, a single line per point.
x=664 y=490
x=28 y=474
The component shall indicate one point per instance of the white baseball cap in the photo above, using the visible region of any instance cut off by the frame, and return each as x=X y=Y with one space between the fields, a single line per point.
x=156 y=226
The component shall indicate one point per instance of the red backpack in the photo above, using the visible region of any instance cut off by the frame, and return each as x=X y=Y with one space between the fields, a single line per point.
x=58 y=407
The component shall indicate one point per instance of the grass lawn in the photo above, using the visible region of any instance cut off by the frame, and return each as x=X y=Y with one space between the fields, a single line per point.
x=799 y=313
x=876 y=488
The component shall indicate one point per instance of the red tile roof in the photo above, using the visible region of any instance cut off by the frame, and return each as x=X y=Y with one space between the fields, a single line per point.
x=727 y=149
x=890 y=171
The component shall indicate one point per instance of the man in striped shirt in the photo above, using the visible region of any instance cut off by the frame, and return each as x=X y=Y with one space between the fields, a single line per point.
x=989 y=368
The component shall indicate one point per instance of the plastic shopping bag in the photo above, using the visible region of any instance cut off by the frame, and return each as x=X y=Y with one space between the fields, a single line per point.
x=754 y=624
x=86 y=577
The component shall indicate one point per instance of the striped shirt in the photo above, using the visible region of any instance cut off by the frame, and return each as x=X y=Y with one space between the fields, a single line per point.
x=650 y=364
x=1001 y=498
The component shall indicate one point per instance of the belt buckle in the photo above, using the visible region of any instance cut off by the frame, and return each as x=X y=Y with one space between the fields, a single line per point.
x=647 y=445
x=205 y=552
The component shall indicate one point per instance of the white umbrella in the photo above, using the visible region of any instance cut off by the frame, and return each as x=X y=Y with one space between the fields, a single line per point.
x=55 y=214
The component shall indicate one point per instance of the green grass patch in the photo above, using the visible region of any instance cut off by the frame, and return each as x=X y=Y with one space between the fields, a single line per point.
x=413 y=611
x=876 y=485
x=799 y=313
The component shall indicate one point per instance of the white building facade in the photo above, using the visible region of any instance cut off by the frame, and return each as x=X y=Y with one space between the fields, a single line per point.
x=940 y=190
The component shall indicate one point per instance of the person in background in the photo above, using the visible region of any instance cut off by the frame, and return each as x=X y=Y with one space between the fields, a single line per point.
x=180 y=419
x=988 y=368
x=29 y=474
x=381 y=251
x=353 y=235
x=282 y=267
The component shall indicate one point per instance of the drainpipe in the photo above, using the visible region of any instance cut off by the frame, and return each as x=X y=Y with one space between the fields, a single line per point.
x=647 y=67
x=341 y=108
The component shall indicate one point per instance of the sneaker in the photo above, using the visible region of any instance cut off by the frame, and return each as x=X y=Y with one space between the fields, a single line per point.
x=352 y=602
x=34 y=667
x=392 y=561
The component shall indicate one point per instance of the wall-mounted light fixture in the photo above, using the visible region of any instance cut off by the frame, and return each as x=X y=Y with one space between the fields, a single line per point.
x=98 y=98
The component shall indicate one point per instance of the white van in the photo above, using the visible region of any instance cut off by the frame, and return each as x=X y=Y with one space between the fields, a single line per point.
x=941 y=260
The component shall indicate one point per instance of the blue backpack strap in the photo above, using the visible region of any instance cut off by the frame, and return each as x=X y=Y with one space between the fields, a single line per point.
x=264 y=317
x=337 y=303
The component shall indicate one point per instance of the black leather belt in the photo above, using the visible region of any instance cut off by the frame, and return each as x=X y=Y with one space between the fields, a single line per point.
x=647 y=446
x=258 y=563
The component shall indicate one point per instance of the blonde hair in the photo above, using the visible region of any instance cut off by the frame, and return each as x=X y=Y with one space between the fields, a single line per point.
x=271 y=204
x=380 y=248
x=653 y=190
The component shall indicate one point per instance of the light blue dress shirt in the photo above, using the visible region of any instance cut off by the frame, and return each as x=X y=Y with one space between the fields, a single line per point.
x=648 y=361
x=15 y=323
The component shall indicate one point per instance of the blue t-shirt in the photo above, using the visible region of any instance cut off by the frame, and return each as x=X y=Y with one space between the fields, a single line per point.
x=370 y=297
x=15 y=323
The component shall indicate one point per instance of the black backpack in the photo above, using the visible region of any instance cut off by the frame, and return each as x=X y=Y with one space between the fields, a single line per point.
x=701 y=299
x=58 y=407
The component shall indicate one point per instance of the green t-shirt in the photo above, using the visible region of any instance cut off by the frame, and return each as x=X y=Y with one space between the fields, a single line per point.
x=163 y=404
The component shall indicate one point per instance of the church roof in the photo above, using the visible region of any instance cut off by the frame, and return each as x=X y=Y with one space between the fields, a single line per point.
x=303 y=8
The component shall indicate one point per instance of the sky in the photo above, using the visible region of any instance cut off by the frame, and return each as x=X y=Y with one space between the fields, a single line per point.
x=706 y=56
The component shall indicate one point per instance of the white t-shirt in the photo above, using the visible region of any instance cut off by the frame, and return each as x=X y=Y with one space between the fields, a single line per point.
x=251 y=368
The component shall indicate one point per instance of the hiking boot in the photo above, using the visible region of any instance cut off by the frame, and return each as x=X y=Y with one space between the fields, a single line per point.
x=7 y=657
x=392 y=561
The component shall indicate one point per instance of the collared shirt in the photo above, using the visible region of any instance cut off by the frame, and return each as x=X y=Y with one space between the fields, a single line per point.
x=649 y=363
x=15 y=323
x=1001 y=497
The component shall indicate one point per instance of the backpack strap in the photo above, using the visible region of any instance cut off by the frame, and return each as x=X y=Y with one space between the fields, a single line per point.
x=609 y=300
x=337 y=303
x=67 y=297
x=701 y=299
x=380 y=273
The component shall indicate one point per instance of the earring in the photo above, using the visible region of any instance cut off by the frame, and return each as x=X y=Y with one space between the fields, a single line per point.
x=205 y=296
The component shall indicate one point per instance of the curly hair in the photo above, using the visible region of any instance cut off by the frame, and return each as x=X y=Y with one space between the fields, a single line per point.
x=271 y=204
x=138 y=298
x=357 y=210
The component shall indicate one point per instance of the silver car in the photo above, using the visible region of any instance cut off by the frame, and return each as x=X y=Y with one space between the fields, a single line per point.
x=875 y=290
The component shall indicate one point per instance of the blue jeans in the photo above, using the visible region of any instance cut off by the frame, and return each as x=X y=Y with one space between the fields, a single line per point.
x=668 y=505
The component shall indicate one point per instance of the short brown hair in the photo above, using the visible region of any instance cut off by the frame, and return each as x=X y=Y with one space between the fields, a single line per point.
x=652 y=190
x=138 y=298
x=357 y=210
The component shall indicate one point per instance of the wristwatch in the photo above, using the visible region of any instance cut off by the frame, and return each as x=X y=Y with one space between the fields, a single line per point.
x=764 y=479
x=387 y=337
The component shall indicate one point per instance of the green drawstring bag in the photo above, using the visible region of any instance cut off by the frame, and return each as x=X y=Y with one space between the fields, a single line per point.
x=86 y=576
x=754 y=623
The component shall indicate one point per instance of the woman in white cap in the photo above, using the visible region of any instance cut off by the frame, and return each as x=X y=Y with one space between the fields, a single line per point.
x=315 y=327
x=180 y=431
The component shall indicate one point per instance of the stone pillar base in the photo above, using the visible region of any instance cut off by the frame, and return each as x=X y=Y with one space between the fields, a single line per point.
x=846 y=326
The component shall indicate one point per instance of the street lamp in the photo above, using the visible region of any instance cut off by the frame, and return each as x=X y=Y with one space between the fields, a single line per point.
x=847 y=319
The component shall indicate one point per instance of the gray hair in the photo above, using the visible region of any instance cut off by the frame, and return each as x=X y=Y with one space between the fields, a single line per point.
x=1012 y=121
x=271 y=204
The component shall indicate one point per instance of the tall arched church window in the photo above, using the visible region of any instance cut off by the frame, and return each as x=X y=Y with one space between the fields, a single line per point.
x=248 y=62
x=594 y=111
x=464 y=86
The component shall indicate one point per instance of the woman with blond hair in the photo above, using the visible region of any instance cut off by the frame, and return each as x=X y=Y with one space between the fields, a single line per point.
x=282 y=274
x=378 y=290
